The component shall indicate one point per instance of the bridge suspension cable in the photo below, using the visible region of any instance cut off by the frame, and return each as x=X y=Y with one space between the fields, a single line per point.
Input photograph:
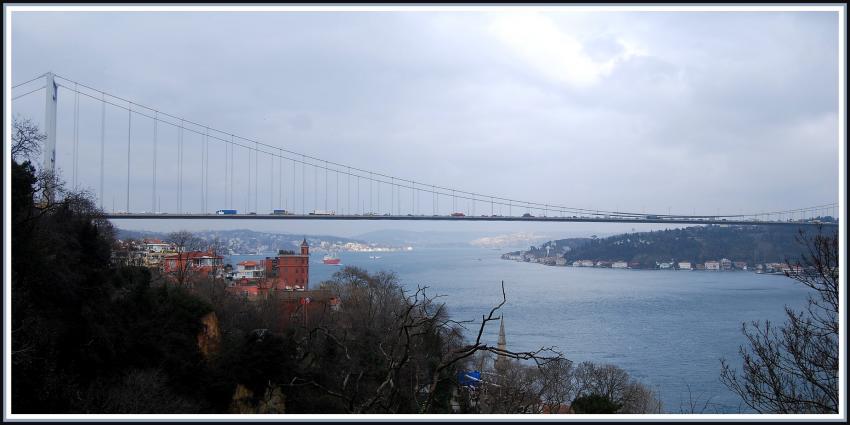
x=374 y=178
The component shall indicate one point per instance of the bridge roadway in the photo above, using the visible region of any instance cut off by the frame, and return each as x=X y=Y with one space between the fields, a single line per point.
x=673 y=220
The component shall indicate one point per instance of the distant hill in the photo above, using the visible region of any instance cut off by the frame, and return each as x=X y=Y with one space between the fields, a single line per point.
x=249 y=241
x=429 y=239
x=753 y=244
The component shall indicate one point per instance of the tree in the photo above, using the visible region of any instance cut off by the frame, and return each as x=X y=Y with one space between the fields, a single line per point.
x=595 y=404
x=185 y=242
x=794 y=369
x=26 y=139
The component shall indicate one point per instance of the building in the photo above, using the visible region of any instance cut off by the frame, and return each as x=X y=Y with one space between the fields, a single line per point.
x=620 y=265
x=156 y=245
x=561 y=261
x=740 y=265
x=685 y=265
x=250 y=270
x=712 y=265
x=195 y=262
x=289 y=271
x=286 y=272
x=665 y=266
x=725 y=264
x=501 y=362
x=586 y=263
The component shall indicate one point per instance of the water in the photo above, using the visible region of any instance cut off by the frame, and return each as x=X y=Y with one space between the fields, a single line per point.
x=668 y=329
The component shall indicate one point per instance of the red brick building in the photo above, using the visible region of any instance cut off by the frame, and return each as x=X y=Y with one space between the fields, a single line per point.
x=289 y=271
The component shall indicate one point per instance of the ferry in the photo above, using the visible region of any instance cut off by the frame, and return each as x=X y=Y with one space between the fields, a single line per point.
x=331 y=259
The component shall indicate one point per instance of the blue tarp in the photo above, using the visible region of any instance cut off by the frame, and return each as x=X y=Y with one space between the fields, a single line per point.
x=470 y=378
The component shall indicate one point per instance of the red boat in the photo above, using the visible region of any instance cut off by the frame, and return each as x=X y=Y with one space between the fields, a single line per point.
x=331 y=259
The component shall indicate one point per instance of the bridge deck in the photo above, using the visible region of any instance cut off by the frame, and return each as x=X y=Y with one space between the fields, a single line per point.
x=148 y=216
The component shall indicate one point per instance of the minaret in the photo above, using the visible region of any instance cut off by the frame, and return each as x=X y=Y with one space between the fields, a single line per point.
x=305 y=248
x=501 y=360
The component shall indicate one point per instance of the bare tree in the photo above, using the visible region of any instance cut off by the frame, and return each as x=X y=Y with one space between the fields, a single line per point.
x=794 y=369
x=615 y=384
x=185 y=242
x=26 y=139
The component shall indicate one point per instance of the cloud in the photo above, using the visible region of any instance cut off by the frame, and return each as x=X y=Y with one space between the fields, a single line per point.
x=558 y=54
x=599 y=110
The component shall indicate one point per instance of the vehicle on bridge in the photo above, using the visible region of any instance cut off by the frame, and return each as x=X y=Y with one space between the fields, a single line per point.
x=282 y=212
x=322 y=212
x=226 y=212
x=458 y=214
x=527 y=215
x=652 y=217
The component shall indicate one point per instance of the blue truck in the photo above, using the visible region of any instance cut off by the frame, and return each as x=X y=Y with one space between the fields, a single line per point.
x=226 y=212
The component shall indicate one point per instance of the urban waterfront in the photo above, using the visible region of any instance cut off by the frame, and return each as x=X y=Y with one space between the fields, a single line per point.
x=667 y=328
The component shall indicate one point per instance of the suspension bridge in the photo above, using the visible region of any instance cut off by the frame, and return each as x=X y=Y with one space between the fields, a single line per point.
x=258 y=181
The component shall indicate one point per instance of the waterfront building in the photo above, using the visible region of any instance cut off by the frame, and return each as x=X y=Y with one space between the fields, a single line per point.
x=712 y=265
x=725 y=264
x=685 y=265
x=620 y=265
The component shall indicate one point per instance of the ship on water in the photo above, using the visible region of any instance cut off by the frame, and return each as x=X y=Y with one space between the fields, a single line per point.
x=331 y=259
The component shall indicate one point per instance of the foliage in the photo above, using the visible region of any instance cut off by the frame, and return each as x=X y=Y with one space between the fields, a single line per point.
x=86 y=336
x=794 y=368
x=595 y=403
x=752 y=244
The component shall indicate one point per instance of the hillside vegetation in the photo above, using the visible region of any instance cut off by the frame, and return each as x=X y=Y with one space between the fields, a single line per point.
x=753 y=244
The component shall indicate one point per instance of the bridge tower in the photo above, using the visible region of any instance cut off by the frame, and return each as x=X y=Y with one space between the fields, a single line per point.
x=49 y=164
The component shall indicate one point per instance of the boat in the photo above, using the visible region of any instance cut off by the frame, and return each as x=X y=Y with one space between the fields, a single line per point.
x=331 y=259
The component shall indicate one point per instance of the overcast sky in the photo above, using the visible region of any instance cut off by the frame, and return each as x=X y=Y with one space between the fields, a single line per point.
x=648 y=112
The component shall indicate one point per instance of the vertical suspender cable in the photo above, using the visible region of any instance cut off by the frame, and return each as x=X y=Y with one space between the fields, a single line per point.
x=326 y=185
x=129 y=130
x=271 y=183
x=207 y=172
x=256 y=173
x=180 y=168
x=102 y=140
x=232 y=172
x=348 y=192
x=303 y=187
x=280 y=202
x=315 y=187
x=76 y=133
x=338 y=209
x=153 y=191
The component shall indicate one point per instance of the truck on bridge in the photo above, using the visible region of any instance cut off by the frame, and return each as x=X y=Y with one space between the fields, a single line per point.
x=228 y=212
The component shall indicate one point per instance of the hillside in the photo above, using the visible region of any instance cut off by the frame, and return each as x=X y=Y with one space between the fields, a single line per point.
x=753 y=244
x=251 y=242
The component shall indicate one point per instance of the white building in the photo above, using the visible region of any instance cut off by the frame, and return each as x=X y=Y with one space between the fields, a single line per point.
x=586 y=263
x=248 y=270
x=712 y=265
x=664 y=266
x=620 y=265
x=685 y=265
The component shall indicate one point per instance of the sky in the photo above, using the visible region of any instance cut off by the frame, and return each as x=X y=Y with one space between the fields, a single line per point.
x=651 y=112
